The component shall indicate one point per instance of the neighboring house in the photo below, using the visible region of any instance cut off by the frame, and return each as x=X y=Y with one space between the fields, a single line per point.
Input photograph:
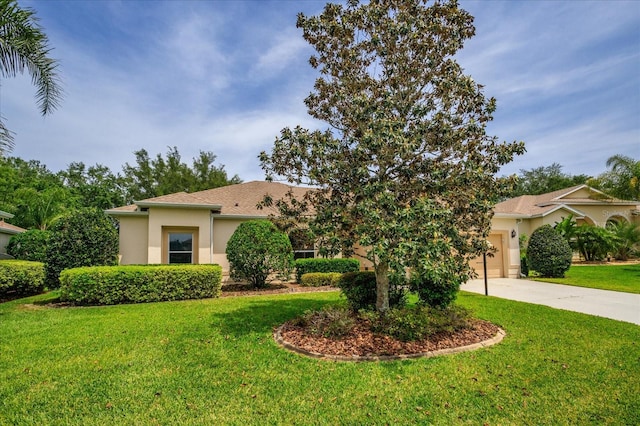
x=7 y=231
x=524 y=214
x=195 y=228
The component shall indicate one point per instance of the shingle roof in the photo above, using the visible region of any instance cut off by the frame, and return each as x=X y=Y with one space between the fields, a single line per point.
x=236 y=200
x=536 y=205
x=7 y=228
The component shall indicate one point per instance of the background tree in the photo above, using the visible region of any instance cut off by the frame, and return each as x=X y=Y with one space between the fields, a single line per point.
x=95 y=186
x=39 y=209
x=541 y=180
x=24 y=46
x=154 y=177
x=622 y=180
x=406 y=168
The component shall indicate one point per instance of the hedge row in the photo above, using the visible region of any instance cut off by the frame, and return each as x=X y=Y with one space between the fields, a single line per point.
x=319 y=279
x=108 y=285
x=21 y=278
x=305 y=266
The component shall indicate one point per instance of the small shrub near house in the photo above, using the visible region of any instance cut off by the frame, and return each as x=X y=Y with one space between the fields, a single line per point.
x=421 y=321
x=29 y=245
x=109 y=285
x=21 y=278
x=548 y=253
x=258 y=252
x=434 y=291
x=360 y=290
x=83 y=238
x=305 y=266
x=319 y=279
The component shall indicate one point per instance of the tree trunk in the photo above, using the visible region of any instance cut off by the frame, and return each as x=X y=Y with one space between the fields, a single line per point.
x=382 y=287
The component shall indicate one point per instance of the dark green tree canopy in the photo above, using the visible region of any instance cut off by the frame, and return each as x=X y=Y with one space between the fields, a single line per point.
x=622 y=180
x=541 y=180
x=159 y=176
x=405 y=168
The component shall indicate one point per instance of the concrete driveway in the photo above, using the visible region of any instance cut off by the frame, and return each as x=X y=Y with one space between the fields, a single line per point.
x=609 y=304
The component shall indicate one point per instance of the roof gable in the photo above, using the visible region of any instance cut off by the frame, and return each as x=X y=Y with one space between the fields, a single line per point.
x=568 y=198
x=232 y=200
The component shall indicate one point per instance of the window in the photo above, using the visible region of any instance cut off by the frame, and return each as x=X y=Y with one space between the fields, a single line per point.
x=180 y=245
x=302 y=243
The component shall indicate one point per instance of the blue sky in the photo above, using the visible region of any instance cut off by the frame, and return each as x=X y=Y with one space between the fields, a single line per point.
x=227 y=76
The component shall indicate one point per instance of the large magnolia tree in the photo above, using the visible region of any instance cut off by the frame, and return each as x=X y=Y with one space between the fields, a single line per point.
x=405 y=169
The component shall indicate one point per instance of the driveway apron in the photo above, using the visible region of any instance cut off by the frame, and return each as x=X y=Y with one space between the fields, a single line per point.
x=609 y=304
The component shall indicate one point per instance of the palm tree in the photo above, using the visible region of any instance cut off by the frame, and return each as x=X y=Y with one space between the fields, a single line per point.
x=24 y=46
x=627 y=172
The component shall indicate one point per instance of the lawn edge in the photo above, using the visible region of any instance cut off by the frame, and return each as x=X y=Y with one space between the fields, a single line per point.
x=277 y=335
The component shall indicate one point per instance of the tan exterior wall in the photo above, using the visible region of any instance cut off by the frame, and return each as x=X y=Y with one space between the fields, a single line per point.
x=189 y=218
x=133 y=240
x=4 y=240
x=223 y=229
x=510 y=245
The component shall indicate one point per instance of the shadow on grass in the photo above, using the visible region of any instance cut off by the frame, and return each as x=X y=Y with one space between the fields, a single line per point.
x=263 y=315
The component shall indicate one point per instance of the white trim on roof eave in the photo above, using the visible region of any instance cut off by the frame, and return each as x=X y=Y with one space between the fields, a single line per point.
x=577 y=213
x=148 y=204
x=10 y=231
x=239 y=216
x=126 y=213
x=5 y=215
x=584 y=185
x=511 y=216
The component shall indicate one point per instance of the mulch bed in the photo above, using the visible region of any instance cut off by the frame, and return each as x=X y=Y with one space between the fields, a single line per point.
x=364 y=343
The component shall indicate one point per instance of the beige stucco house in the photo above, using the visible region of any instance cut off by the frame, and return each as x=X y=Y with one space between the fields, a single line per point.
x=195 y=228
x=7 y=231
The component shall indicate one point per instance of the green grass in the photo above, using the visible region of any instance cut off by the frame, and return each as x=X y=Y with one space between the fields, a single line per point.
x=215 y=362
x=624 y=278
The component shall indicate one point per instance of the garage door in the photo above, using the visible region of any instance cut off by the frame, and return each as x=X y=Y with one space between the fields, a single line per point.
x=495 y=264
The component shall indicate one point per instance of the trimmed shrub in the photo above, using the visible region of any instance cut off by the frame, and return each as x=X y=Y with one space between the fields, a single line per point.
x=319 y=279
x=549 y=253
x=29 y=245
x=305 y=266
x=109 y=285
x=83 y=238
x=437 y=292
x=21 y=278
x=360 y=290
x=257 y=250
x=419 y=322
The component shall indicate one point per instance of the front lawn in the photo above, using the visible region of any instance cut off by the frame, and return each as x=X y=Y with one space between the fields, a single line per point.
x=624 y=278
x=215 y=362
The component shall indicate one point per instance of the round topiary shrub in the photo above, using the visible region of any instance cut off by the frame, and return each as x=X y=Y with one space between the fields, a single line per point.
x=548 y=253
x=258 y=251
x=29 y=245
x=83 y=238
